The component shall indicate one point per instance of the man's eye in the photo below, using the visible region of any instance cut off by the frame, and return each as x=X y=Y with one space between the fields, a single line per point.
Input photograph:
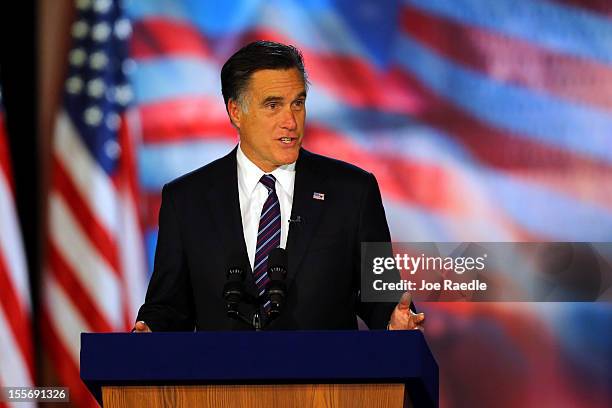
x=299 y=103
x=272 y=105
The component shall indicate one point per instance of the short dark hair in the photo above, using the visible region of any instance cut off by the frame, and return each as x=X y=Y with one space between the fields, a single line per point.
x=254 y=57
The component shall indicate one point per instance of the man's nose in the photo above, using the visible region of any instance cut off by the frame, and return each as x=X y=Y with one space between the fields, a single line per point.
x=288 y=120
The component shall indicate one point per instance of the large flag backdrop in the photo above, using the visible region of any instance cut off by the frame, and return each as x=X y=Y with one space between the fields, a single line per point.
x=482 y=121
x=16 y=346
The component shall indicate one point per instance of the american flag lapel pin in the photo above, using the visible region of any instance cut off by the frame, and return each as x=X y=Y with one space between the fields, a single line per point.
x=318 y=196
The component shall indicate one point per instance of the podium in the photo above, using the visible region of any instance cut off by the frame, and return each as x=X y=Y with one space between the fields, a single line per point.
x=260 y=369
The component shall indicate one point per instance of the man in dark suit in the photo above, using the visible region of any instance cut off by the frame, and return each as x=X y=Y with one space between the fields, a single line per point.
x=268 y=192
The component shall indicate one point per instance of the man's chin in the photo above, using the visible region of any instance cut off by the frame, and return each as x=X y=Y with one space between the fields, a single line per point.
x=289 y=158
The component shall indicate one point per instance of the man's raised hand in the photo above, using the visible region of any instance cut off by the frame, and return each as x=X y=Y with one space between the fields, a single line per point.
x=403 y=318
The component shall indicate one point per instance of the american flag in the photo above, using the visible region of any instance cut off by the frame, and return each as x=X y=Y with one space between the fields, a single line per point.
x=16 y=351
x=482 y=120
x=474 y=115
x=94 y=275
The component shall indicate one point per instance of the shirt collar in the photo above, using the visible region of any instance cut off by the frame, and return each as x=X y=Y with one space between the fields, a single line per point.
x=249 y=174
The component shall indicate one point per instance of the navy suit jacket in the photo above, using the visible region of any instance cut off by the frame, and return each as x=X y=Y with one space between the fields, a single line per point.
x=201 y=236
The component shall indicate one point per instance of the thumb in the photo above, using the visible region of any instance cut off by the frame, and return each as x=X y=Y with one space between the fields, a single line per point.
x=404 y=302
x=419 y=318
x=141 y=326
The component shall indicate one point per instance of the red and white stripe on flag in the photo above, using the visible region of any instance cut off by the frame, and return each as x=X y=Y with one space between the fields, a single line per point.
x=95 y=274
x=16 y=350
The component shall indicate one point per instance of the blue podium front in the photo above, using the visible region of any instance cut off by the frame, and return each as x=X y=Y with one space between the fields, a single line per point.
x=282 y=357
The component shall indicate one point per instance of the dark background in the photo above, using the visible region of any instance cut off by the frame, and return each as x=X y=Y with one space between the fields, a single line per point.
x=18 y=78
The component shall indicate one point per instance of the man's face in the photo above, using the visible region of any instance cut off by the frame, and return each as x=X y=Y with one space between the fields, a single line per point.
x=272 y=129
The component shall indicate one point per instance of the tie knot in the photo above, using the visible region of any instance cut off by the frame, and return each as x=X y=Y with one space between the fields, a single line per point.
x=268 y=180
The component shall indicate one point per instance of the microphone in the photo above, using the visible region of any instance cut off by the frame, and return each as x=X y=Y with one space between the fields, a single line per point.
x=233 y=291
x=277 y=273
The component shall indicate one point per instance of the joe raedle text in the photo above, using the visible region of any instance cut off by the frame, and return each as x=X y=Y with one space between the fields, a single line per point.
x=446 y=284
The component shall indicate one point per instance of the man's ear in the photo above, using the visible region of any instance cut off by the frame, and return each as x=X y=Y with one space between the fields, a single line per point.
x=235 y=112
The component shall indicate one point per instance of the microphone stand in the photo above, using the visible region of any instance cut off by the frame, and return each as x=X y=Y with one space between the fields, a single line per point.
x=234 y=295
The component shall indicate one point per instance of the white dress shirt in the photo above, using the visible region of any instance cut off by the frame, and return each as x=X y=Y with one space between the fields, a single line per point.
x=252 y=195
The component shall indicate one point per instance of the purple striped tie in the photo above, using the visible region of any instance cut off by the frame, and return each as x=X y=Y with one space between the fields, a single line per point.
x=268 y=235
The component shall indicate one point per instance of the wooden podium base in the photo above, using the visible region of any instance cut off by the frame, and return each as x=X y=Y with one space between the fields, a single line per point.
x=264 y=396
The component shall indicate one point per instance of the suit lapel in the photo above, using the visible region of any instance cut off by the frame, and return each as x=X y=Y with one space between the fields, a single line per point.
x=224 y=203
x=307 y=182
